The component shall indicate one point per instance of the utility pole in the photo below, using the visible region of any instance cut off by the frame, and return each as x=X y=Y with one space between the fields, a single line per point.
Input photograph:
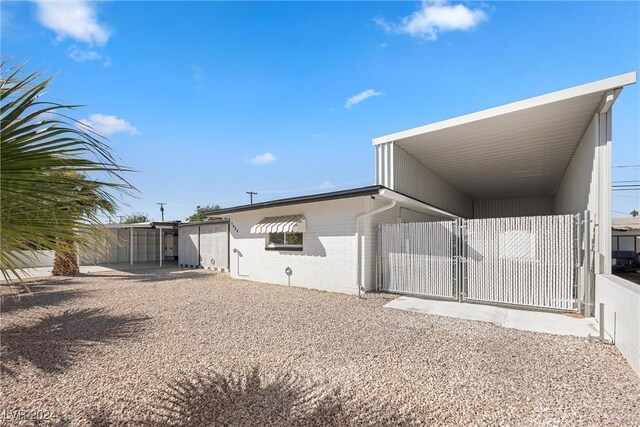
x=121 y=218
x=162 y=208
x=251 y=194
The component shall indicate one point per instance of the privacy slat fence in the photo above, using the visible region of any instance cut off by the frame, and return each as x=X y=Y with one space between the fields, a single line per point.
x=527 y=261
x=417 y=258
x=521 y=261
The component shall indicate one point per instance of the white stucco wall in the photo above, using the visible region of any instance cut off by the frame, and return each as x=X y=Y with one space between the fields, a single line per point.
x=586 y=185
x=621 y=300
x=34 y=259
x=327 y=261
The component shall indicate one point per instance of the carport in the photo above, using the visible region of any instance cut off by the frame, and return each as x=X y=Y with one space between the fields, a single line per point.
x=144 y=242
x=543 y=156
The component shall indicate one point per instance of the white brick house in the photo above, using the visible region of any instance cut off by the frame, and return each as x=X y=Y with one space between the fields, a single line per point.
x=545 y=156
x=339 y=230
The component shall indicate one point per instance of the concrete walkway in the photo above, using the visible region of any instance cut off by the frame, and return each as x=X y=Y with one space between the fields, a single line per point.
x=40 y=272
x=524 y=320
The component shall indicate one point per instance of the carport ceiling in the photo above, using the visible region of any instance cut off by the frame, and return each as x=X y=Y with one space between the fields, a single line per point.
x=515 y=150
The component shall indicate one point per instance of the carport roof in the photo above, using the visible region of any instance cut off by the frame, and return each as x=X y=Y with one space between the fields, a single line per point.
x=517 y=149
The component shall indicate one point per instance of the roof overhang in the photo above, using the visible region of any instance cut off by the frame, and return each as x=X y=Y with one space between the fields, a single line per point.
x=210 y=222
x=147 y=225
x=514 y=150
x=334 y=195
x=373 y=190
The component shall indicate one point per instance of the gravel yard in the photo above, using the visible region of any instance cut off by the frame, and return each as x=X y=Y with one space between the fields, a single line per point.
x=191 y=347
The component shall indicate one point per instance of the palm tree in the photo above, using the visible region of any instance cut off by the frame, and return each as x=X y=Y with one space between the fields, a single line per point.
x=57 y=177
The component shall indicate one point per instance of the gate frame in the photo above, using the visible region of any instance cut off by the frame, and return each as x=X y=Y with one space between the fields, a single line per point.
x=580 y=289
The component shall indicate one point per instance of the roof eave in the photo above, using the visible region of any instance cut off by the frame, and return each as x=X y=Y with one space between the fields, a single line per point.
x=335 y=195
x=610 y=83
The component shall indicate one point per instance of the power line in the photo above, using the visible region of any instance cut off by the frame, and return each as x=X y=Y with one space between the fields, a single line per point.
x=626 y=166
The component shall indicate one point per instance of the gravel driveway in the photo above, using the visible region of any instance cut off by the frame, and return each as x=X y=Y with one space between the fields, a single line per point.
x=191 y=347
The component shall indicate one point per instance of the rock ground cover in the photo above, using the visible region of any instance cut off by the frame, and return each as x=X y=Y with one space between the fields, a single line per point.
x=191 y=347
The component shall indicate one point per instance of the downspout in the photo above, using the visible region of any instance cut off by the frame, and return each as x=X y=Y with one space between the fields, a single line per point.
x=358 y=258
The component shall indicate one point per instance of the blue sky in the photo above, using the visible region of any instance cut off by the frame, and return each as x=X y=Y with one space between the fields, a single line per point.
x=207 y=100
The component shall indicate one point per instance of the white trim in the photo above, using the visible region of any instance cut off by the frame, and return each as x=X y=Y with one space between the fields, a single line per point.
x=392 y=195
x=561 y=95
x=136 y=225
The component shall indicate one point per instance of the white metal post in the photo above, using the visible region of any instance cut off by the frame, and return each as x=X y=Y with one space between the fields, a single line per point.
x=131 y=246
x=161 y=252
x=586 y=265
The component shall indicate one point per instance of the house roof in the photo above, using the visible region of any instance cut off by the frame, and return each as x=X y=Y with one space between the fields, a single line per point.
x=334 y=195
x=211 y=221
x=149 y=225
x=625 y=224
x=514 y=150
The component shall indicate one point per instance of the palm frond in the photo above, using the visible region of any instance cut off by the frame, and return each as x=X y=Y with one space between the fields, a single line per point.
x=57 y=176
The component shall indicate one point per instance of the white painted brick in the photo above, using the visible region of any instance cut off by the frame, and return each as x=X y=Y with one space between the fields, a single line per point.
x=327 y=260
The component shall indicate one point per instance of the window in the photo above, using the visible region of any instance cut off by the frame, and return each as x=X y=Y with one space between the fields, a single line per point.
x=286 y=241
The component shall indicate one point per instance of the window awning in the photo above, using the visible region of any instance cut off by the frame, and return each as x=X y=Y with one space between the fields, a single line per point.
x=281 y=224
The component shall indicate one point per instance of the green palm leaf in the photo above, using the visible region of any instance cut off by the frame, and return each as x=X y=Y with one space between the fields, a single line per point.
x=57 y=176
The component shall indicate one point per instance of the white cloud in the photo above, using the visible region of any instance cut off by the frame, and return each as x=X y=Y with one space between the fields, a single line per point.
x=358 y=98
x=75 y=19
x=327 y=185
x=82 y=55
x=435 y=17
x=263 y=159
x=108 y=125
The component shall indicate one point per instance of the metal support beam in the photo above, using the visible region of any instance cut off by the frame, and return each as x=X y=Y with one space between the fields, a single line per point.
x=160 y=251
x=586 y=266
x=601 y=336
x=131 y=246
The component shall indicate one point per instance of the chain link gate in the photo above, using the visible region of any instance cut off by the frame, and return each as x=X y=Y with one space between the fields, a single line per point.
x=523 y=261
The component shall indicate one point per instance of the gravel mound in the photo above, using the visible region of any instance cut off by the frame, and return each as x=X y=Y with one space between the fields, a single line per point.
x=179 y=347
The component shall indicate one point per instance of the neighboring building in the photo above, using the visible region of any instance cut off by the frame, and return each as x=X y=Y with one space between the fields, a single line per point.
x=548 y=155
x=625 y=243
x=143 y=242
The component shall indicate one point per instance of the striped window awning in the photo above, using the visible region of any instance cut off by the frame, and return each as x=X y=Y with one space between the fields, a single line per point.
x=281 y=224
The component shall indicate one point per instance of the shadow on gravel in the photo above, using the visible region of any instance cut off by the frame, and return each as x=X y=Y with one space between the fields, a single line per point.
x=40 y=296
x=254 y=399
x=153 y=276
x=251 y=398
x=54 y=342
